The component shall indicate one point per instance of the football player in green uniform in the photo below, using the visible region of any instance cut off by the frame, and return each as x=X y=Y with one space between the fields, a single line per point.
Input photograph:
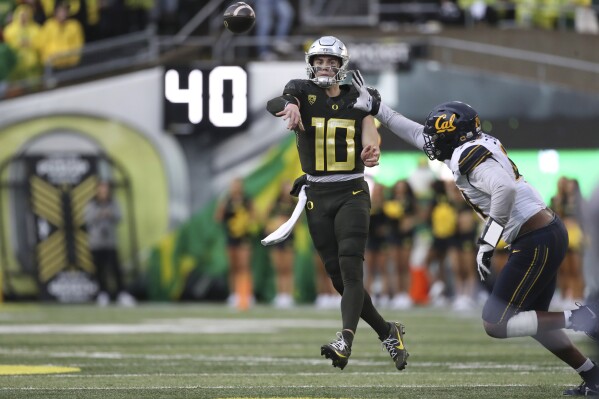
x=335 y=143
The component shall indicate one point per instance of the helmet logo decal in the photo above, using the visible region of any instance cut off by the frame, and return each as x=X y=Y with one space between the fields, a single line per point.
x=311 y=99
x=443 y=125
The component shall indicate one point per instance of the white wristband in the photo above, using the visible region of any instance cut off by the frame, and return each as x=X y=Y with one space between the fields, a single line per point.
x=492 y=233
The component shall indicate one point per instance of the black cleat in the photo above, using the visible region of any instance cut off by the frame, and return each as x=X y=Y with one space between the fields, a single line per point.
x=395 y=346
x=338 y=351
x=584 y=389
x=585 y=319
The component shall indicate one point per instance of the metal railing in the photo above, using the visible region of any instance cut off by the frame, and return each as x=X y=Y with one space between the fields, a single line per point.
x=103 y=57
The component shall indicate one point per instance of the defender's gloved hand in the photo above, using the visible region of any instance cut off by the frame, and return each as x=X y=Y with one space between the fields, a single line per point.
x=369 y=99
x=483 y=260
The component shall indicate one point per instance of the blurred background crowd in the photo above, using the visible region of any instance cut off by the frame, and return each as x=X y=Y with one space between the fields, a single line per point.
x=421 y=248
x=106 y=92
x=53 y=34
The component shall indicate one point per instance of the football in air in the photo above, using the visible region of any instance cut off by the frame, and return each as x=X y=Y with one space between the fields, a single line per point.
x=239 y=17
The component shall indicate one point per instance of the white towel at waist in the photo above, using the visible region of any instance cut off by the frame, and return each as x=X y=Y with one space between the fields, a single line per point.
x=285 y=229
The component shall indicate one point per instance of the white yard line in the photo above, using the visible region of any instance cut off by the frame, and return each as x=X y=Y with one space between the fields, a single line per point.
x=173 y=326
x=262 y=387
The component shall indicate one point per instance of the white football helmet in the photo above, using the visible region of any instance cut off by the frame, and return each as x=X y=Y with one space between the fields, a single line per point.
x=327 y=45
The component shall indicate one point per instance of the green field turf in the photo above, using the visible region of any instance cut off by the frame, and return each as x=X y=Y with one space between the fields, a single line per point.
x=210 y=351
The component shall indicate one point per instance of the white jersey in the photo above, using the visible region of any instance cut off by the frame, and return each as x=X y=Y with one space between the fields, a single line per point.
x=483 y=172
x=470 y=176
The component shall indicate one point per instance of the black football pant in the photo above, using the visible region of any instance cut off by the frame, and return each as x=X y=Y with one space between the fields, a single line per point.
x=338 y=218
x=528 y=279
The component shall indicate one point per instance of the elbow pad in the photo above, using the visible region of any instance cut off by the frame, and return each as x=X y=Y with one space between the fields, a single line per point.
x=278 y=104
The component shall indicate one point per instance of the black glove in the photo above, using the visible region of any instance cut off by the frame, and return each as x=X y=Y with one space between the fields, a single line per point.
x=369 y=99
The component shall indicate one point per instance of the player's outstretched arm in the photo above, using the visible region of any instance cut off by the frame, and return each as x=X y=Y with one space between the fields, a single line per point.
x=287 y=106
x=369 y=100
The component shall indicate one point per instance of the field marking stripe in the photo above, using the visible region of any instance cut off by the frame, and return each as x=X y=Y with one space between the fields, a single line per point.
x=416 y=386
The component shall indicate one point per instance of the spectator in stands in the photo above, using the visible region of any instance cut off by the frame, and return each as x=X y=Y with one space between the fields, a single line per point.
x=61 y=39
x=22 y=35
x=37 y=10
x=102 y=216
x=235 y=212
x=282 y=254
x=567 y=203
x=402 y=209
x=421 y=180
x=280 y=12
x=376 y=279
x=442 y=218
x=464 y=252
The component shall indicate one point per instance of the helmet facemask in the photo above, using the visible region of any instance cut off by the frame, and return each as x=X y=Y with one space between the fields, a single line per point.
x=327 y=46
x=440 y=146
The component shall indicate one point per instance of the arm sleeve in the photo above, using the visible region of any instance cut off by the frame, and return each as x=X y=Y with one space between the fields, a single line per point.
x=492 y=179
x=406 y=129
x=278 y=104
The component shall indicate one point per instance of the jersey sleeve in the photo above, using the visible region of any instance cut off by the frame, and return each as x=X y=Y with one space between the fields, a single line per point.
x=406 y=129
x=293 y=87
x=471 y=157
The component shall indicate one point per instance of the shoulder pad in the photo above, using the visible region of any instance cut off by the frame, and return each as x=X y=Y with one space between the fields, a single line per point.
x=294 y=87
x=471 y=157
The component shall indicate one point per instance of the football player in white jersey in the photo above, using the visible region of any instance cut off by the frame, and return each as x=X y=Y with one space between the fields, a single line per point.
x=513 y=210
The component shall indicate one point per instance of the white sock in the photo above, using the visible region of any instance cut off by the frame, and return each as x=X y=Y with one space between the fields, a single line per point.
x=567 y=315
x=586 y=366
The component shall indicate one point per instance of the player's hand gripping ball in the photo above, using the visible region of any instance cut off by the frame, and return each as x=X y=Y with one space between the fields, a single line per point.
x=239 y=17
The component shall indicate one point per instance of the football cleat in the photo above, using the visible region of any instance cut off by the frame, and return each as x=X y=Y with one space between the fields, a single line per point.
x=584 y=389
x=585 y=319
x=338 y=351
x=395 y=346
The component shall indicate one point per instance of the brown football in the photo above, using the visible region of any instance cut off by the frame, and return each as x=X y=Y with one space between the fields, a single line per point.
x=239 y=17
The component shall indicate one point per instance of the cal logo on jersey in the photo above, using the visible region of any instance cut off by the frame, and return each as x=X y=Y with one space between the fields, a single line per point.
x=311 y=99
x=442 y=124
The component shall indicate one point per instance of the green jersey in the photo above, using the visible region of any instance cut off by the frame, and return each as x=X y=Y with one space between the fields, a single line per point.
x=332 y=141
